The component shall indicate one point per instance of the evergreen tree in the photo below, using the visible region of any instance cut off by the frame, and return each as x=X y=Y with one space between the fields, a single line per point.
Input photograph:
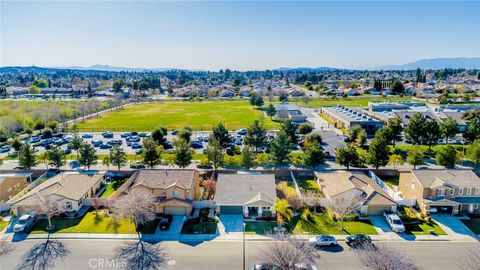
x=415 y=129
x=56 y=156
x=247 y=158
x=397 y=87
x=347 y=156
x=415 y=156
x=214 y=152
x=473 y=152
x=378 y=151
x=118 y=157
x=448 y=128
x=473 y=130
x=313 y=154
x=75 y=143
x=432 y=133
x=256 y=136
x=271 y=111
x=395 y=129
x=446 y=156
x=291 y=130
x=26 y=156
x=280 y=148
x=185 y=133
x=221 y=135
x=152 y=152
x=183 y=153
x=159 y=135
x=88 y=156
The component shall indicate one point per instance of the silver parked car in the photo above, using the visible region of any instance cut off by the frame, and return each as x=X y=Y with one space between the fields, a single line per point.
x=323 y=240
x=24 y=223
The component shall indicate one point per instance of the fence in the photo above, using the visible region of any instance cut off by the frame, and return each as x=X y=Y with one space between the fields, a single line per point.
x=395 y=195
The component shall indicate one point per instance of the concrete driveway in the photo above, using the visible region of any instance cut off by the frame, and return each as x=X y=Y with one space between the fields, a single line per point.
x=383 y=229
x=453 y=226
x=175 y=228
x=230 y=224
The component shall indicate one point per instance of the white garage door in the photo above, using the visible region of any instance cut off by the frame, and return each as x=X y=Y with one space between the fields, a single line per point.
x=175 y=210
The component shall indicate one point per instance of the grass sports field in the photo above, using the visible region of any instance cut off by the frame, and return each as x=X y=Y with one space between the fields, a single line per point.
x=175 y=115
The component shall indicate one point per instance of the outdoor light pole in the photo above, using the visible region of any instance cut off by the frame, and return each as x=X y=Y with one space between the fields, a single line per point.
x=244 y=224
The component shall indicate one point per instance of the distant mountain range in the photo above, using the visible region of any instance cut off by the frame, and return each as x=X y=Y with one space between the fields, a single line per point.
x=438 y=63
x=435 y=63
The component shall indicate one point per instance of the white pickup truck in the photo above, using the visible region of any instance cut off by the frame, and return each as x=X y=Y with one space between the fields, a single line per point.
x=394 y=221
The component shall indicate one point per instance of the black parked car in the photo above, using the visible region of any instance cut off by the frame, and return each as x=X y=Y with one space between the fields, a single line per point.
x=358 y=240
x=165 y=222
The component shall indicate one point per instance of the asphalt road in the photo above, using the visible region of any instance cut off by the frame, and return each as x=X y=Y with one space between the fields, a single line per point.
x=223 y=255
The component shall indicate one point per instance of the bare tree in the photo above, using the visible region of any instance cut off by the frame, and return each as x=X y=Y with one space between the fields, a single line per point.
x=472 y=258
x=49 y=207
x=381 y=257
x=141 y=255
x=289 y=253
x=43 y=255
x=5 y=245
x=344 y=205
x=138 y=206
x=312 y=199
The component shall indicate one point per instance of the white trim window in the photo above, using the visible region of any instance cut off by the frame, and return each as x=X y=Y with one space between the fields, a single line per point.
x=460 y=191
x=469 y=191
x=477 y=191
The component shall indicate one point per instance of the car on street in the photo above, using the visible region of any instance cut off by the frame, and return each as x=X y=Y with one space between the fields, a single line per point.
x=87 y=136
x=394 y=222
x=196 y=145
x=136 y=145
x=137 y=165
x=35 y=139
x=242 y=131
x=323 y=240
x=267 y=266
x=126 y=135
x=165 y=222
x=107 y=135
x=5 y=149
x=24 y=223
x=358 y=240
x=97 y=143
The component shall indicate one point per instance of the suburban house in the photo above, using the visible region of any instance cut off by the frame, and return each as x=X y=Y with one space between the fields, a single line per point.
x=68 y=190
x=175 y=189
x=348 y=184
x=13 y=183
x=447 y=191
x=250 y=195
x=289 y=112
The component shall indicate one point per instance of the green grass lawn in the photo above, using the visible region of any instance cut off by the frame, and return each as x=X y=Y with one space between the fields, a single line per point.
x=112 y=187
x=259 y=227
x=90 y=223
x=194 y=226
x=472 y=224
x=176 y=115
x=323 y=224
x=361 y=101
x=391 y=180
x=423 y=228
x=424 y=148
x=3 y=224
x=307 y=183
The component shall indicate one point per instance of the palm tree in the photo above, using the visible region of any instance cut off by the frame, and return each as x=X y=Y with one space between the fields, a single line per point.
x=284 y=211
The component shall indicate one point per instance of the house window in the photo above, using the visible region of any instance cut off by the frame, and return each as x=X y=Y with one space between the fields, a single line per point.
x=460 y=191
x=413 y=184
x=175 y=194
x=475 y=206
x=68 y=205
x=477 y=191
x=469 y=191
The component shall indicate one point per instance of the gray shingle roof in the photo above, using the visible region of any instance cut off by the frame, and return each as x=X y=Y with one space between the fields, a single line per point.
x=161 y=179
x=238 y=189
x=460 y=178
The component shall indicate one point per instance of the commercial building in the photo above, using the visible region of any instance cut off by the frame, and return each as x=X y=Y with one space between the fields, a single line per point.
x=348 y=117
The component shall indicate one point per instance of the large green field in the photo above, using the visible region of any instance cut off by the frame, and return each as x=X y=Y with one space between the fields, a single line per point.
x=175 y=115
x=360 y=101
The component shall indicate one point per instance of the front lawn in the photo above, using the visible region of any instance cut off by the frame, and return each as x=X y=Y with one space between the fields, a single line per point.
x=175 y=115
x=423 y=228
x=195 y=226
x=259 y=227
x=3 y=224
x=320 y=223
x=391 y=180
x=112 y=187
x=90 y=223
x=307 y=183
x=472 y=224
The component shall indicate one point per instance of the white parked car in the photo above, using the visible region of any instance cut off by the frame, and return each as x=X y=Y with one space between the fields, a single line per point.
x=394 y=222
x=24 y=223
x=323 y=240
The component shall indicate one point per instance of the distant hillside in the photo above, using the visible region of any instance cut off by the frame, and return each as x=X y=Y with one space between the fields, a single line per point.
x=116 y=69
x=306 y=69
x=439 y=63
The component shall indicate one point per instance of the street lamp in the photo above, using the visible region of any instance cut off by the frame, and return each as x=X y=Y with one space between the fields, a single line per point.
x=244 y=224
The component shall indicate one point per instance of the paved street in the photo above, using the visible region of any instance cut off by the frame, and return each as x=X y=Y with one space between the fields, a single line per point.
x=89 y=254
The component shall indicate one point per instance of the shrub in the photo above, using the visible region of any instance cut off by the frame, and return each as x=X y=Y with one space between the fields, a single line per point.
x=237 y=150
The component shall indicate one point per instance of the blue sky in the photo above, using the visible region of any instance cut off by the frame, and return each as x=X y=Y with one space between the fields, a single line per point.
x=237 y=35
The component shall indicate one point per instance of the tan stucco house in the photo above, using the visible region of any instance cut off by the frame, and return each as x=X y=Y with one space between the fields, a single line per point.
x=13 y=183
x=175 y=189
x=447 y=191
x=250 y=195
x=375 y=199
x=67 y=190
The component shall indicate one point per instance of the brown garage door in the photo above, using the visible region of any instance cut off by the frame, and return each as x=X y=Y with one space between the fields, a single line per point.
x=377 y=210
